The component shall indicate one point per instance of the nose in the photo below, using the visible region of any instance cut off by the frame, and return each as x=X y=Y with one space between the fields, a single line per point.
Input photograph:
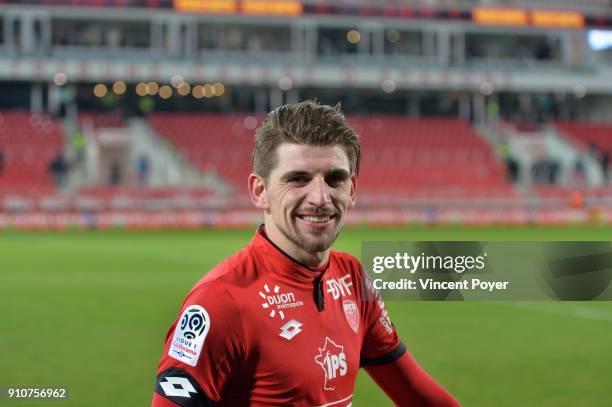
x=319 y=193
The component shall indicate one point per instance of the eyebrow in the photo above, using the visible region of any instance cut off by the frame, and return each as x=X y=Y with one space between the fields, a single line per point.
x=338 y=172
x=294 y=174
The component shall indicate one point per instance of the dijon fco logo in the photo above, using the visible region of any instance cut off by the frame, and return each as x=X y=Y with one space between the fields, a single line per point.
x=277 y=300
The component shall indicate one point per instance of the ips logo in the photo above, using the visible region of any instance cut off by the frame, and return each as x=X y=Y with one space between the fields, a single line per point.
x=332 y=360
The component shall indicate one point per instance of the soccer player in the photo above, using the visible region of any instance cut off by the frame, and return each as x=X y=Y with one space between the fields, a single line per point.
x=286 y=321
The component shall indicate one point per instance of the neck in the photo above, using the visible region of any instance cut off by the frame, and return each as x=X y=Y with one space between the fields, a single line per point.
x=309 y=259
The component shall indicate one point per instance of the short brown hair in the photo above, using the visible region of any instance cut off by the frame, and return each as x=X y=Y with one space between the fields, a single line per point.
x=306 y=123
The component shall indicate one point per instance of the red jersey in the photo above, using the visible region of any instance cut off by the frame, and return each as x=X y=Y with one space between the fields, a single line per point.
x=262 y=329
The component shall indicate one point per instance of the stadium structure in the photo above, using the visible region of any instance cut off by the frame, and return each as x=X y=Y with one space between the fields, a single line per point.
x=141 y=113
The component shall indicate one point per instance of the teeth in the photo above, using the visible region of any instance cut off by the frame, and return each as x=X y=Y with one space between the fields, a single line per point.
x=318 y=219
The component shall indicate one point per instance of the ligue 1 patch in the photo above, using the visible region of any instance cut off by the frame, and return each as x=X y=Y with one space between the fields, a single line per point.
x=351 y=312
x=189 y=335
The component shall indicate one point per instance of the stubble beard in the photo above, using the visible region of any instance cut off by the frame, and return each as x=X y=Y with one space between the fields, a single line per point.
x=307 y=245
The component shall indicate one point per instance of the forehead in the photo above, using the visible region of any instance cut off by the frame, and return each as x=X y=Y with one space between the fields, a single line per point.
x=301 y=157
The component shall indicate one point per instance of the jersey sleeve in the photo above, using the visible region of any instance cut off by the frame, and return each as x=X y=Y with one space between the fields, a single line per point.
x=203 y=348
x=381 y=343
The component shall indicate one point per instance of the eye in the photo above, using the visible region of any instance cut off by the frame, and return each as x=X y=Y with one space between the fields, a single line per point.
x=335 y=180
x=298 y=179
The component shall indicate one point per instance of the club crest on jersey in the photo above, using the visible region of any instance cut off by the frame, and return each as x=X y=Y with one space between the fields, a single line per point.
x=332 y=360
x=351 y=313
x=189 y=335
x=277 y=301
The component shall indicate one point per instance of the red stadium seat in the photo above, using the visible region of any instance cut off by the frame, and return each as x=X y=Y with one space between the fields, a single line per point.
x=29 y=142
x=584 y=134
x=402 y=156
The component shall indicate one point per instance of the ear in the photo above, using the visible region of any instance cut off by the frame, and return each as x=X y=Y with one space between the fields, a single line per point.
x=257 y=191
x=353 y=191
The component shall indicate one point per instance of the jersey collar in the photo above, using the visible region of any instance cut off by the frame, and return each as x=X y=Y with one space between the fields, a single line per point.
x=281 y=262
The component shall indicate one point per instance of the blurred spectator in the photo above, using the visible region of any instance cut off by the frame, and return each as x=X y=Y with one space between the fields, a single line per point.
x=576 y=199
x=115 y=174
x=78 y=144
x=543 y=50
x=513 y=168
x=492 y=109
x=553 y=172
x=113 y=37
x=146 y=104
x=1 y=160
x=545 y=171
x=605 y=164
x=143 y=169
x=58 y=169
x=579 y=175
x=512 y=165
x=543 y=105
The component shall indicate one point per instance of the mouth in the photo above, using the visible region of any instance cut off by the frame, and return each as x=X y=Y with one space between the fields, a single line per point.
x=316 y=219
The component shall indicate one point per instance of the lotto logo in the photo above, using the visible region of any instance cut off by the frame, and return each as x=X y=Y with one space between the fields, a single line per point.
x=332 y=360
x=290 y=329
x=339 y=287
x=177 y=387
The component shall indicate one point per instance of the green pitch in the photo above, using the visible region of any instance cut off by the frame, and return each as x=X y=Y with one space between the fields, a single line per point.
x=89 y=311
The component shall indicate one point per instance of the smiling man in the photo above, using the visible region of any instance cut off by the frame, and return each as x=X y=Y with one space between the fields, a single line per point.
x=286 y=321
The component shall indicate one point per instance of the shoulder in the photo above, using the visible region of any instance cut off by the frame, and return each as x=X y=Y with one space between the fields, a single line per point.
x=343 y=264
x=224 y=281
x=217 y=297
x=346 y=262
x=236 y=270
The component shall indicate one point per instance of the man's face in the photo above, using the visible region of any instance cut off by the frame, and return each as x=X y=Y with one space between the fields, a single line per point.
x=308 y=194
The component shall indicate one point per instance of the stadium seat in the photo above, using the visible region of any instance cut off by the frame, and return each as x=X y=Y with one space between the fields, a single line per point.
x=402 y=156
x=29 y=142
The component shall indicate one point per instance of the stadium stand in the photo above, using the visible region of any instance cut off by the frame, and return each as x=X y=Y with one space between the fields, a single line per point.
x=220 y=143
x=588 y=134
x=132 y=79
x=29 y=143
x=130 y=198
x=424 y=158
x=428 y=158
x=100 y=120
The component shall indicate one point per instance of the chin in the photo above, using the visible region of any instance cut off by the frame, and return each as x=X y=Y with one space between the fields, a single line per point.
x=319 y=244
x=316 y=247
